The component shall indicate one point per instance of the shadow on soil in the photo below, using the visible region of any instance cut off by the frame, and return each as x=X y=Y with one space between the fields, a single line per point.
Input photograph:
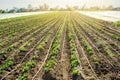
x=48 y=76
x=78 y=78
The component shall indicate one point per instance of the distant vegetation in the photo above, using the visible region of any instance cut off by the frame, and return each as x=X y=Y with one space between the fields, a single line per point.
x=46 y=7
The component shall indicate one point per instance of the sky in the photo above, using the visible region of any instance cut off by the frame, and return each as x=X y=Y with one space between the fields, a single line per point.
x=8 y=4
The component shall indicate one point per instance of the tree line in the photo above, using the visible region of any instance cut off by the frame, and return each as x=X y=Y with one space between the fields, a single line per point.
x=46 y=7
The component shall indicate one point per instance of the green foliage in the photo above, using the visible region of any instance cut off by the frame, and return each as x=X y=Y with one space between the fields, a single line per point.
x=55 y=45
x=11 y=47
x=31 y=64
x=14 y=34
x=49 y=65
x=75 y=72
x=96 y=62
x=27 y=44
x=35 y=57
x=75 y=63
x=7 y=64
x=89 y=50
x=10 y=59
x=108 y=50
x=73 y=57
x=117 y=23
x=3 y=52
x=85 y=43
x=22 y=49
x=113 y=55
x=116 y=37
x=54 y=52
x=20 y=41
x=25 y=70
x=81 y=37
x=32 y=33
x=32 y=39
x=71 y=37
x=73 y=60
x=1 y=44
x=23 y=77
x=40 y=48
x=72 y=46
x=101 y=28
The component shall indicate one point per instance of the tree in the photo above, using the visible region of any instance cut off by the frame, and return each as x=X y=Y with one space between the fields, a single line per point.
x=69 y=8
x=94 y=8
x=110 y=7
x=83 y=7
x=44 y=7
x=75 y=7
x=55 y=8
x=30 y=7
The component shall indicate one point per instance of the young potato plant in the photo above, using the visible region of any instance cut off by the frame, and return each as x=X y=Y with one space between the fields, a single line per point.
x=75 y=72
x=2 y=43
x=20 y=41
x=24 y=48
x=6 y=41
x=96 y=61
x=84 y=42
x=26 y=69
x=55 y=50
x=53 y=53
x=49 y=65
x=11 y=47
x=41 y=46
x=109 y=52
x=78 y=31
x=35 y=57
x=32 y=39
x=14 y=34
x=89 y=50
x=73 y=59
x=116 y=37
x=88 y=47
x=8 y=64
x=27 y=44
x=51 y=62
x=3 y=52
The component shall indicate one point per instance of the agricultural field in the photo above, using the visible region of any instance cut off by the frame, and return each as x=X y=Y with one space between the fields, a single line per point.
x=59 y=46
